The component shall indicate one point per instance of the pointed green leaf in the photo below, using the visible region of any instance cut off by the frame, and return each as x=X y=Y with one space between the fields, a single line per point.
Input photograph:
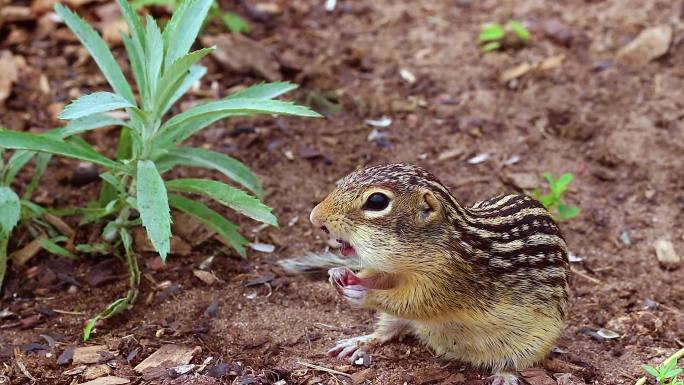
x=113 y=308
x=137 y=4
x=94 y=103
x=154 y=55
x=154 y=206
x=563 y=181
x=88 y=328
x=28 y=141
x=491 y=46
x=87 y=123
x=567 y=212
x=211 y=219
x=181 y=31
x=16 y=162
x=235 y=23
x=200 y=157
x=227 y=195
x=185 y=124
x=195 y=73
x=54 y=248
x=650 y=370
x=520 y=30
x=179 y=132
x=42 y=161
x=136 y=57
x=175 y=74
x=132 y=19
x=10 y=209
x=491 y=32
x=264 y=90
x=98 y=50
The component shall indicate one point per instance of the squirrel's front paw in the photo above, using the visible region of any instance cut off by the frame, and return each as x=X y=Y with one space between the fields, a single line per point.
x=353 y=348
x=348 y=285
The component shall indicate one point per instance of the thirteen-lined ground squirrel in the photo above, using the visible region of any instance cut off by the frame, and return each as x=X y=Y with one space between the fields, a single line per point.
x=486 y=284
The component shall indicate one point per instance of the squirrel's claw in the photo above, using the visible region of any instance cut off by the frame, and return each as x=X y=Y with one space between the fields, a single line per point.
x=355 y=294
x=351 y=347
x=504 y=379
x=348 y=285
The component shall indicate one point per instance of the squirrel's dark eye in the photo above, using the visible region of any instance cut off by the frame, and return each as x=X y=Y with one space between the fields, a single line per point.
x=376 y=202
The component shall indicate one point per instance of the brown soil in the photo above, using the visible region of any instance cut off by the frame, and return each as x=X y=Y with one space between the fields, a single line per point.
x=619 y=128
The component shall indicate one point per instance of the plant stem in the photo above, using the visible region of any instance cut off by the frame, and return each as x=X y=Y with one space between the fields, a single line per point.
x=133 y=270
x=4 y=239
x=676 y=356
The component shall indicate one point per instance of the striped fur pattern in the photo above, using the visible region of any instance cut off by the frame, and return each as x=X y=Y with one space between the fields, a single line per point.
x=486 y=284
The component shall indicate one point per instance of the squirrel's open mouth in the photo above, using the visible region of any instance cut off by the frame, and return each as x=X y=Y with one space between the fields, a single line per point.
x=346 y=249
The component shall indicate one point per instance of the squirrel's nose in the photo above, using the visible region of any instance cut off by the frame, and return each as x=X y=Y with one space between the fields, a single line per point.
x=315 y=218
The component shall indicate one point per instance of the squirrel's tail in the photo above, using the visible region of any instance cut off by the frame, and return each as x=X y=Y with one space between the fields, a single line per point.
x=318 y=263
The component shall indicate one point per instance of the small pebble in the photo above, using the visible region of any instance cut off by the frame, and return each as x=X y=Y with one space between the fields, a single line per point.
x=385 y=121
x=477 y=159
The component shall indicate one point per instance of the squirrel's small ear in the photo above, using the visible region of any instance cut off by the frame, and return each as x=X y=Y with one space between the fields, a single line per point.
x=429 y=207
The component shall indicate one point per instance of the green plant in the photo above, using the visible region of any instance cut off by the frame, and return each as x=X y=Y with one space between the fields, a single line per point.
x=553 y=201
x=666 y=371
x=133 y=191
x=15 y=210
x=665 y=374
x=494 y=36
x=234 y=22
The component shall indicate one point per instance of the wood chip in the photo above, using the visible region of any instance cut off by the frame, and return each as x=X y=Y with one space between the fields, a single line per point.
x=169 y=356
x=551 y=62
x=429 y=375
x=665 y=252
x=96 y=371
x=109 y=380
x=537 y=376
x=92 y=354
x=111 y=31
x=450 y=154
x=143 y=244
x=190 y=229
x=75 y=371
x=205 y=276
x=60 y=225
x=243 y=55
x=23 y=255
x=523 y=69
x=10 y=74
x=362 y=376
x=455 y=378
x=9 y=13
x=651 y=44
x=515 y=72
x=522 y=180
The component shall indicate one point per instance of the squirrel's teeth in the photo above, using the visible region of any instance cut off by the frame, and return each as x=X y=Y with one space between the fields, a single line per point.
x=334 y=243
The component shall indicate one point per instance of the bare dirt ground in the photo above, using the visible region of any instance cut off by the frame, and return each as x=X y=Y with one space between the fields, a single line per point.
x=618 y=125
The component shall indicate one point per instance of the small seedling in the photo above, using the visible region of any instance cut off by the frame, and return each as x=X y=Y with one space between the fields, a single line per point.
x=495 y=36
x=133 y=191
x=553 y=200
x=665 y=374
